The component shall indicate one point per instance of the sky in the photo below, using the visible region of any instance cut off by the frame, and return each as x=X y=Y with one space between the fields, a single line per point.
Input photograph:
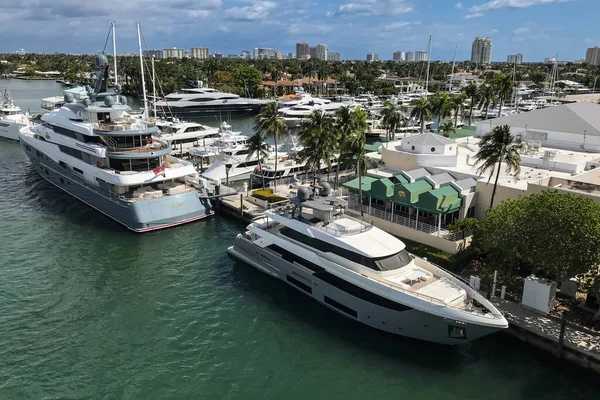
x=536 y=28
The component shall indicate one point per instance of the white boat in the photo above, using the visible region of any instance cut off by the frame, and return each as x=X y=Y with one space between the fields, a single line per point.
x=295 y=115
x=201 y=101
x=11 y=117
x=53 y=103
x=185 y=135
x=363 y=273
x=95 y=151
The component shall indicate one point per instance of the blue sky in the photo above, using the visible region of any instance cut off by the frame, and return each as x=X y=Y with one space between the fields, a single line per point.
x=536 y=28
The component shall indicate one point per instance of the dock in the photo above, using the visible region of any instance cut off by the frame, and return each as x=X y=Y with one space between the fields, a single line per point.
x=566 y=340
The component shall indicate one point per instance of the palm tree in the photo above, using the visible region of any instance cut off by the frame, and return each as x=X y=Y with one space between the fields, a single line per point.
x=487 y=96
x=495 y=148
x=472 y=92
x=270 y=124
x=457 y=103
x=504 y=88
x=440 y=106
x=421 y=111
x=318 y=140
x=258 y=146
x=392 y=118
x=356 y=144
x=342 y=127
x=447 y=128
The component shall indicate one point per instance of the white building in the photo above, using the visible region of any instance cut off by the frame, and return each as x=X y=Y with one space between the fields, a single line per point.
x=459 y=80
x=410 y=56
x=573 y=126
x=372 y=57
x=515 y=59
x=421 y=55
x=321 y=51
x=199 y=52
x=481 y=52
x=399 y=56
x=592 y=56
x=173 y=53
x=333 y=56
x=158 y=54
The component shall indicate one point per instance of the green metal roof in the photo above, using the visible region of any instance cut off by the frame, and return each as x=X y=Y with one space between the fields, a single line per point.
x=408 y=193
x=373 y=147
x=401 y=178
x=382 y=189
x=366 y=184
x=442 y=200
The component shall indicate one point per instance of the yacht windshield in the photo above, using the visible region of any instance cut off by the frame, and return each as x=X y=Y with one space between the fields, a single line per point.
x=391 y=263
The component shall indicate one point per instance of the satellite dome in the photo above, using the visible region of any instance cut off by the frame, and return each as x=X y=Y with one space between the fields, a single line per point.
x=325 y=189
x=69 y=98
x=303 y=193
x=101 y=61
x=87 y=102
x=109 y=101
x=123 y=100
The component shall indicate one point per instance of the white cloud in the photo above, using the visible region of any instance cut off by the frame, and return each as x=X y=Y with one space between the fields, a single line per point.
x=497 y=4
x=257 y=11
x=473 y=15
x=376 y=7
x=394 y=26
x=459 y=5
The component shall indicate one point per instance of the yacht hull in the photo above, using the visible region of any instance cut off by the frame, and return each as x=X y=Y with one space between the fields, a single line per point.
x=138 y=216
x=402 y=320
x=10 y=130
x=197 y=111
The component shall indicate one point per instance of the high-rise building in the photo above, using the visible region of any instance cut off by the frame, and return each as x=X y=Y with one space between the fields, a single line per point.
x=321 y=51
x=173 y=53
x=199 y=52
x=302 y=50
x=399 y=56
x=515 y=59
x=421 y=55
x=153 y=53
x=481 y=52
x=217 y=55
x=333 y=56
x=255 y=52
x=289 y=56
x=246 y=54
x=592 y=56
x=410 y=56
x=372 y=57
x=312 y=52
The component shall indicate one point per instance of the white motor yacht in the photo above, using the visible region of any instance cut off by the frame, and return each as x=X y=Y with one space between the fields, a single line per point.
x=11 y=117
x=185 y=135
x=363 y=273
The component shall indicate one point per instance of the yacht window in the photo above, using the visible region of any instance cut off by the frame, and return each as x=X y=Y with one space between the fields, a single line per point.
x=396 y=261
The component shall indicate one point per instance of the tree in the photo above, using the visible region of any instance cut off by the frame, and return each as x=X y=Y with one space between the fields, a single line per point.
x=457 y=104
x=552 y=234
x=440 y=106
x=270 y=124
x=421 y=111
x=247 y=79
x=487 y=96
x=391 y=119
x=356 y=144
x=504 y=88
x=318 y=140
x=472 y=92
x=495 y=148
x=447 y=128
x=258 y=146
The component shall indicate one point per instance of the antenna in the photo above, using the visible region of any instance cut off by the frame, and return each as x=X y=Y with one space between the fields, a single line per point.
x=114 y=52
x=142 y=72
x=428 y=63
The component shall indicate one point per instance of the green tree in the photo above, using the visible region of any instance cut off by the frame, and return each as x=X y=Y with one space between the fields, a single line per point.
x=472 y=92
x=421 y=111
x=503 y=84
x=440 y=106
x=248 y=79
x=487 y=97
x=391 y=119
x=552 y=234
x=270 y=124
x=318 y=140
x=457 y=104
x=257 y=146
x=495 y=148
x=447 y=128
x=356 y=144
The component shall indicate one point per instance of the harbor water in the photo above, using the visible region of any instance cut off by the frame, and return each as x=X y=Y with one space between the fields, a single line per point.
x=89 y=310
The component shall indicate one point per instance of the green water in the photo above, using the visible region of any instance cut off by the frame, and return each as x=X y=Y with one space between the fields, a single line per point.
x=89 y=310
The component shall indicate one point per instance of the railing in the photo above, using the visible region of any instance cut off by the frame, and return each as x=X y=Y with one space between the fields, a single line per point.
x=404 y=221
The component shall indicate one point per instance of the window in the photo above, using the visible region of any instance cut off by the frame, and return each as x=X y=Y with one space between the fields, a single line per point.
x=340 y=306
x=39 y=154
x=27 y=147
x=456 y=332
x=75 y=153
x=433 y=149
x=299 y=284
x=62 y=181
x=395 y=261
x=64 y=131
x=46 y=171
x=292 y=258
x=78 y=170
x=360 y=293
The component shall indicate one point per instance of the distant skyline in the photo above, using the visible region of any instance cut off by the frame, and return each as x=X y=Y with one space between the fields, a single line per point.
x=535 y=28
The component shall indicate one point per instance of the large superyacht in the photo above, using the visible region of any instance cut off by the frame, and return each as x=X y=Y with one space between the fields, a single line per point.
x=11 y=117
x=362 y=272
x=96 y=151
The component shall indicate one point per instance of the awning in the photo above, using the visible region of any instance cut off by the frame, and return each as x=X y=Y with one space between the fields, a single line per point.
x=443 y=200
x=408 y=193
x=366 y=184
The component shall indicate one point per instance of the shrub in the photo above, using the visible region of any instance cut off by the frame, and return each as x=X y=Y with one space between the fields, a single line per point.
x=268 y=195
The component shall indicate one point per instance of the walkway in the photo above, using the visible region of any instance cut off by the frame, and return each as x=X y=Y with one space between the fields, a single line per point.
x=549 y=328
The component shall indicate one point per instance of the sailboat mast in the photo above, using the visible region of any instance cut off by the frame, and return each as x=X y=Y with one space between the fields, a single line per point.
x=153 y=87
x=428 y=64
x=115 y=53
x=142 y=71
x=453 y=66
